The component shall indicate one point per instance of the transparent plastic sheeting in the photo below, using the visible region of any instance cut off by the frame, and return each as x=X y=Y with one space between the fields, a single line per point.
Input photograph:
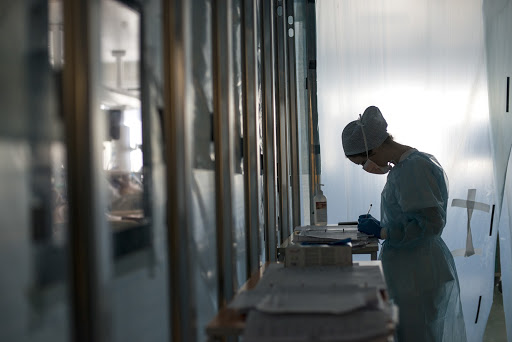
x=26 y=312
x=498 y=27
x=204 y=257
x=203 y=248
x=505 y=237
x=238 y=202
x=423 y=64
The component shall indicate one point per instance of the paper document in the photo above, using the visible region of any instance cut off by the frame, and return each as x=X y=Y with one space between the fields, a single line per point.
x=276 y=275
x=299 y=299
x=317 y=255
x=321 y=303
x=339 y=301
x=327 y=234
x=359 y=326
x=303 y=281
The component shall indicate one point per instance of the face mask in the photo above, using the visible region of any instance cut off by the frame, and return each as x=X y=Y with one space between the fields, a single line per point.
x=371 y=167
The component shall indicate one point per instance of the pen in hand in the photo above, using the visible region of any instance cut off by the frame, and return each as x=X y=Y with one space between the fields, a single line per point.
x=368 y=213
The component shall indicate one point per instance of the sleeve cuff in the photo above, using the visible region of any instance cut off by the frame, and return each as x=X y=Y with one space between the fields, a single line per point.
x=383 y=233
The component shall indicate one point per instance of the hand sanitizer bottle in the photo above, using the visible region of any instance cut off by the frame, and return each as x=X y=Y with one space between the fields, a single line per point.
x=320 y=207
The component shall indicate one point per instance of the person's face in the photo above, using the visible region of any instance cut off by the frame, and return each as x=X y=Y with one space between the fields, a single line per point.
x=375 y=163
x=376 y=156
x=359 y=160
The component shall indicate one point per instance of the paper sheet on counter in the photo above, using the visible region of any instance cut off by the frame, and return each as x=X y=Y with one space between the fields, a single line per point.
x=364 y=276
x=334 y=301
x=318 y=299
x=358 y=326
x=327 y=234
x=298 y=283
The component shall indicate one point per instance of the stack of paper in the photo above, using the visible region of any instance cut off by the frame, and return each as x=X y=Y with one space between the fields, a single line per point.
x=364 y=325
x=324 y=303
x=335 y=280
x=327 y=234
x=313 y=299
x=278 y=276
x=332 y=301
x=315 y=254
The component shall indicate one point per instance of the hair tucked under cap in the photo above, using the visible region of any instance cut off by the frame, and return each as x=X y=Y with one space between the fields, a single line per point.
x=375 y=132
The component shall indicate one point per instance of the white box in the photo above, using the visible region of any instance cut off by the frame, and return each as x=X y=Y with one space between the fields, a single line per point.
x=317 y=255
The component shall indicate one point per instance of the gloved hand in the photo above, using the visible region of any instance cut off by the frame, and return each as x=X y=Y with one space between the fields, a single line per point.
x=369 y=225
x=367 y=216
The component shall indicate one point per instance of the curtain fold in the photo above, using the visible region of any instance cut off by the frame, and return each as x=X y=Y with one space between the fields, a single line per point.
x=498 y=28
x=505 y=239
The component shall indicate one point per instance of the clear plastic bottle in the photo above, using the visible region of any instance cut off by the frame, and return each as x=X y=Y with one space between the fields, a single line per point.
x=320 y=207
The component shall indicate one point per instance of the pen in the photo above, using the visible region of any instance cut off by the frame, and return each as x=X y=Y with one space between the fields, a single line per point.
x=368 y=213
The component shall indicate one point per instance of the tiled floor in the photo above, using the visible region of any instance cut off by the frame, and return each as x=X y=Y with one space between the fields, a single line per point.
x=496 y=328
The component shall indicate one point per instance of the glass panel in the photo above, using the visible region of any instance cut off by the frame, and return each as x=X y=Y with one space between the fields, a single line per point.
x=238 y=202
x=55 y=34
x=204 y=247
x=33 y=241
x=122 y=146
x=259 y=108
x=301 y=65
x=130 y=96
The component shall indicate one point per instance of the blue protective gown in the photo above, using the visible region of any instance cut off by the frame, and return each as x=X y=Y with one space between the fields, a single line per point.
x=418 y=266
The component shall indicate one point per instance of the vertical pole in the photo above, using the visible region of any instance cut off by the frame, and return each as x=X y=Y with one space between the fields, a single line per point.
x=293 y=119
x=282 y=121
x=90 y=236
x=176 y=18
x=314 y=150
x=251 y=153
x=223 y=123
x=269 y=129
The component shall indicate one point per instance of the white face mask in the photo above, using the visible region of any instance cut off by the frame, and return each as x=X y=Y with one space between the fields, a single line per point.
x=371 y=167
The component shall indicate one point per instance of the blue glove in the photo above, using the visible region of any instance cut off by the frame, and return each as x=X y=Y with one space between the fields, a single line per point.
x=369 y=225
x=366 y=216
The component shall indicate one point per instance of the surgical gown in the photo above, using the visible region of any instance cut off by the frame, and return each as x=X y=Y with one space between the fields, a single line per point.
x=418 y=266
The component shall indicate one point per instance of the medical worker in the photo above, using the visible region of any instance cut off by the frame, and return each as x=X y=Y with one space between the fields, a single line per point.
x=418 y=266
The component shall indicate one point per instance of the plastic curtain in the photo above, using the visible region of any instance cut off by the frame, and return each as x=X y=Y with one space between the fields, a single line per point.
x=498 y=29
x=203 y=248
x=423 y=63
x=505 y=238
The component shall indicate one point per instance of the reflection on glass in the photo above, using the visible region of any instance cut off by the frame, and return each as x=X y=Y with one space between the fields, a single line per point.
x=122 y=146
x=259 y=99
x=238 y=190
x=55 y=34
x=301 y=70
x=59 y=193
x=48 y=196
